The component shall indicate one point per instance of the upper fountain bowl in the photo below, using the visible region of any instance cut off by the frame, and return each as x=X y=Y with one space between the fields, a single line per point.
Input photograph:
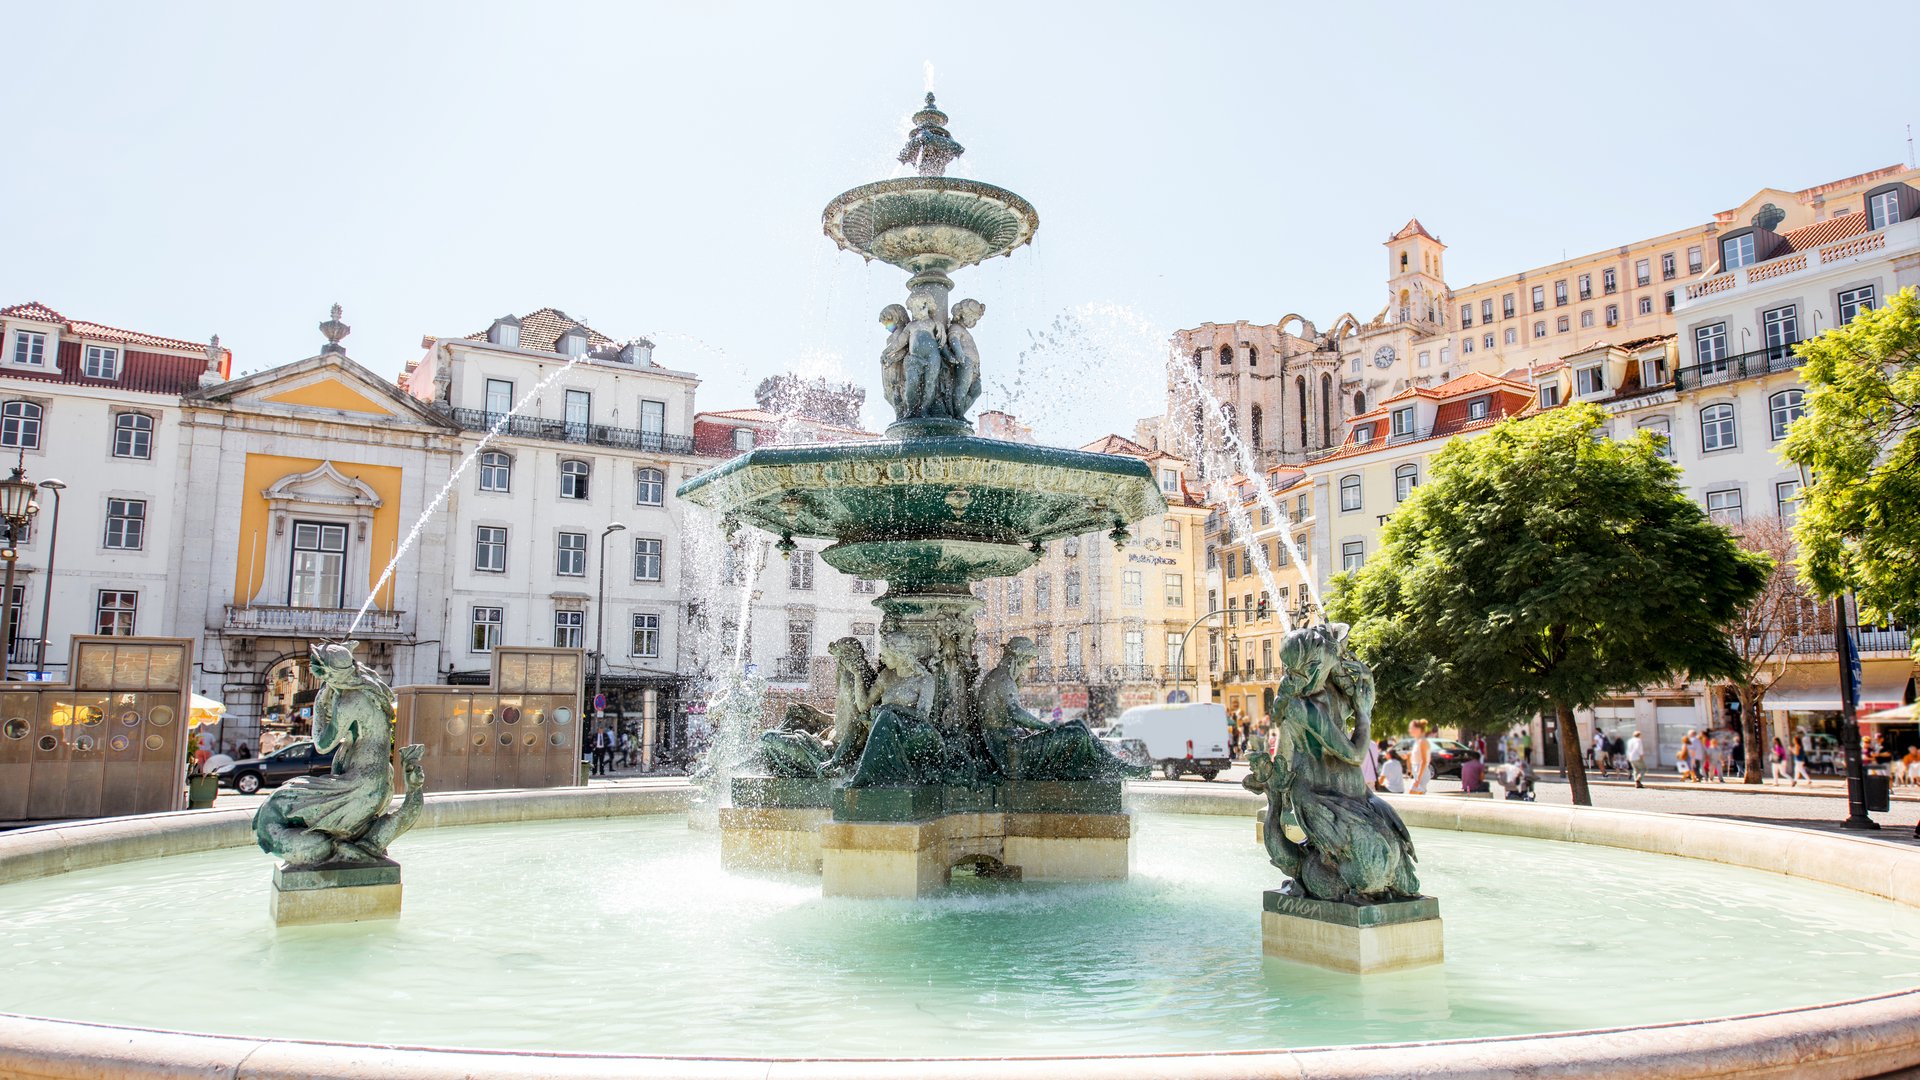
x=930 y=223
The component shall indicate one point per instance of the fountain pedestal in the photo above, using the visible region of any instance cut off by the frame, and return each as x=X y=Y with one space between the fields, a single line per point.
x=910 y=859
x=335 y=894
x=1356 y=938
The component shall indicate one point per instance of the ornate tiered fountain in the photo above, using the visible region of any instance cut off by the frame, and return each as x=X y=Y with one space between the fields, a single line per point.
x=927 y=762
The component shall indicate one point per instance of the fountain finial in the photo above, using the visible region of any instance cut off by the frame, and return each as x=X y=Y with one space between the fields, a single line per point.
x=334 y=329
x=930 y=147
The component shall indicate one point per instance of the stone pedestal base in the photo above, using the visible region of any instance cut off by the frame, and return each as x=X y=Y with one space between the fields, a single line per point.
x=335 y=894
x=785 y=839
x=1356 y=938
x=911 y=859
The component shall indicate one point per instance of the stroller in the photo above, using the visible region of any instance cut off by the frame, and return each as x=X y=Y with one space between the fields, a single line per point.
x=1517 y=778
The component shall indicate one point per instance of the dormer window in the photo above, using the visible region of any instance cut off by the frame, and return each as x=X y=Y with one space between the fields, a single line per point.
x=1550 y=395
x=1653 y=371
x=505 y=331
x=573 y=343
x=1588 y=381
x=1737 y=251
x=30 y=349
x=1477 y=409
x=743 y=438
x=1363 y=434
x=101 y=362
x=1883 y=209
x=1403 y=421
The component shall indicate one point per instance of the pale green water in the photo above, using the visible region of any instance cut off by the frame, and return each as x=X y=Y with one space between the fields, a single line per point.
x=625 y=935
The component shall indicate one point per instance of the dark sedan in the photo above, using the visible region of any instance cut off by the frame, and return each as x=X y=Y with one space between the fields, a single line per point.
x=1448 y=755
x=272 y=770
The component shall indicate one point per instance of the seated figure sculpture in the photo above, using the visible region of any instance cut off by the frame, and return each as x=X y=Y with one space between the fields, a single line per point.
x=342 y=818
x=905 y=744
x=811 y=744
x=1334 y=838
x=1028 y=748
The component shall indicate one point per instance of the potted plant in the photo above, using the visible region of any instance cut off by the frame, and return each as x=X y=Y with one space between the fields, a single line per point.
x=202 y=787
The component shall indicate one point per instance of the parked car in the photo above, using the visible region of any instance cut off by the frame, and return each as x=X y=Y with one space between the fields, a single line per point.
x=1179 y=739
x=1448 y=754
x=272 y=770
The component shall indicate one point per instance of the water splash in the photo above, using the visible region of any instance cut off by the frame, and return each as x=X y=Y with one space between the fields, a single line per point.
x=926 y=67
x=413 y=534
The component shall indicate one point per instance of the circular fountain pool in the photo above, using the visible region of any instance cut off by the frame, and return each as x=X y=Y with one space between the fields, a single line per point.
x=623 y=935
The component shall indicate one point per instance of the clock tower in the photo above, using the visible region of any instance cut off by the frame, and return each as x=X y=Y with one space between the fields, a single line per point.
x=1416 y=278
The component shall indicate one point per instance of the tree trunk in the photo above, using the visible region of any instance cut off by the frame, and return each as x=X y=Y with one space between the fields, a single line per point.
x=1756 y=740
x=1570 y=754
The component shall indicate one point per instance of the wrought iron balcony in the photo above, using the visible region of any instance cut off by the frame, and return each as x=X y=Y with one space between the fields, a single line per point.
x=1747 y=365
x=275 y=620
x=540 y=427
x=1176 y=673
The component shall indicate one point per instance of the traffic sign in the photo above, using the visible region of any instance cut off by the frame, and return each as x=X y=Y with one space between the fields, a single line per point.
x=1177 y=697
x=599 y=702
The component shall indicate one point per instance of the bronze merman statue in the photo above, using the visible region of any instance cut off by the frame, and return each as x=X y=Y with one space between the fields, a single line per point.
x=343 y=818
x=1336 y=839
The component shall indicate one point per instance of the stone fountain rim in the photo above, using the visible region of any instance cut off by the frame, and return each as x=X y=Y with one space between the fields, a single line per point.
x=1857 y=1037
x=833 y=218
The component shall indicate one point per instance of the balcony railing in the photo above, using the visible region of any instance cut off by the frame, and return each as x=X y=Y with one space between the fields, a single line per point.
x=312 y=622
x=540 y=427
x=1176 y=673
x=24 y=651
x=1747 y=365
x=1753 y=273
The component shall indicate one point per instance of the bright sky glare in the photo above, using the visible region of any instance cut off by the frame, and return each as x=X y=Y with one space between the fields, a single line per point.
x=192 y=168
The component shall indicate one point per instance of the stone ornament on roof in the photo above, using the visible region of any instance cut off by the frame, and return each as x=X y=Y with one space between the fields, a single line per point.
x=334 y=330
x=212 y=376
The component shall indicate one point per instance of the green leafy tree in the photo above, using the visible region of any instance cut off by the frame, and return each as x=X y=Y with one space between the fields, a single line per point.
x=1541 y=568
x=1859 y=522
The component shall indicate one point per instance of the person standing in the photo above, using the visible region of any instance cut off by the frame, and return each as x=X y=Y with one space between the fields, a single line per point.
x=1597 y=754
x=1637 y=759
x=1419 y=759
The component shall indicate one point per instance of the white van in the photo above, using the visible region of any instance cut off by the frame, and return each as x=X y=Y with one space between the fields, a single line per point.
x=1178 y=738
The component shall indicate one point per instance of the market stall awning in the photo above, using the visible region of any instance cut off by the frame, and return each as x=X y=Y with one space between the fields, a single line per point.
x=1902 y=715
x=1816 y=688
x=206 y=711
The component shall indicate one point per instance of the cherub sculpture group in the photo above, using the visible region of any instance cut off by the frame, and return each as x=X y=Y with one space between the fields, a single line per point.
x=927 y=716
x=930 y=366
x=1325 y=827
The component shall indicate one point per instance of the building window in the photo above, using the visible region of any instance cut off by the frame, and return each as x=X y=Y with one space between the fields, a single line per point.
x=319 y=573
x=570 y=557
x=1175 y=586
x=1883 y=210
x=1170 y=535
x=569 y=629
x=490 y=549
x=646 y=636
x=1466 y=315
x=1363 y=434
x=1724 y=507
x=1586 y=286
x=1610 y=280
x=1586 y=319
x=1716 y=427
x=1350 y=492
x=496 y=471
x=742 y=439
x=1786 y=499
x=574 y=477
x=1780 y=328
x=1170 y=481
x=865 y=586
x=1613 y=314
x=1653 y=371
x=132 y=435
x=646 y=560
x=653 y=424
x=1642 y=272
x=1070 y=547
x=485 y=630
x=1405 y=478
x=20 y=425
x=1486 y=311
x=1176 y=645
x=126 y=524
x=1560 y=294
x=1226 y=356
x=649 y=487
x=1590 y=380
x=114 y=612
x=1072 y=589
x=1736 y=251
x=799 y=641
x=1710 y=347
x=1784 y=408
x=30 y=349
x=1402 y=422
x=1506 y=305
x=1016 y=594
x=1659 y=426
x=1477 y=409
x=1694 y=257
x=1646 y=305
x=578 y=414
x=1466 y=345
x=101 y=362
x=1352 y=554
x=1549 y=395
x=1539 y=298
x=1855 y=301
x=1131 y=588
x=1073 y=649
x=1134 y=650
x=1510 y=336
x=1540 y=328
x=499 y=401
x=1426 y=358
x=1043 y=593
x=799 y=568
x=1669 y=268
x=1561 y=325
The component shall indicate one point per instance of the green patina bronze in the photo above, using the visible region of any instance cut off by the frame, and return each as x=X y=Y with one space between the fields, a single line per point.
x=930 y=510
x=1325 y=828
x=344 y=819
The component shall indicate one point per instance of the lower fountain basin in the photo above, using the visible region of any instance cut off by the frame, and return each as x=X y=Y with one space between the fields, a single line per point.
x=622 y=936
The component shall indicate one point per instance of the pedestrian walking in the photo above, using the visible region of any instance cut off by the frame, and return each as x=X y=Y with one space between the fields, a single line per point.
x=1637 y=759
x=1779 y=769
x=1419 y=759
x=1800 y=767
x=1597 y=753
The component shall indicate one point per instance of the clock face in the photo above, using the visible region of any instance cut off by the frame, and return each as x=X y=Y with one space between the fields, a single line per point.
x=1384 y=357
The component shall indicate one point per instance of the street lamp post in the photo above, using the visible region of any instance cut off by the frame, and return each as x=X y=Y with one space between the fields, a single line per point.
x=16 y=509
x=600 y=624
x=46 y=598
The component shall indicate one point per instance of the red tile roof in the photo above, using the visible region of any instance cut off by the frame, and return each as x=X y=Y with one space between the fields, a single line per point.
x=1117 y=444
x=1412 y=228
x=1822 y=233
x=541 y=331
x=39 y=312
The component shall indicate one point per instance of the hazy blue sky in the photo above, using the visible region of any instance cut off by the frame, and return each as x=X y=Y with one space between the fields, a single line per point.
x=660 y=169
